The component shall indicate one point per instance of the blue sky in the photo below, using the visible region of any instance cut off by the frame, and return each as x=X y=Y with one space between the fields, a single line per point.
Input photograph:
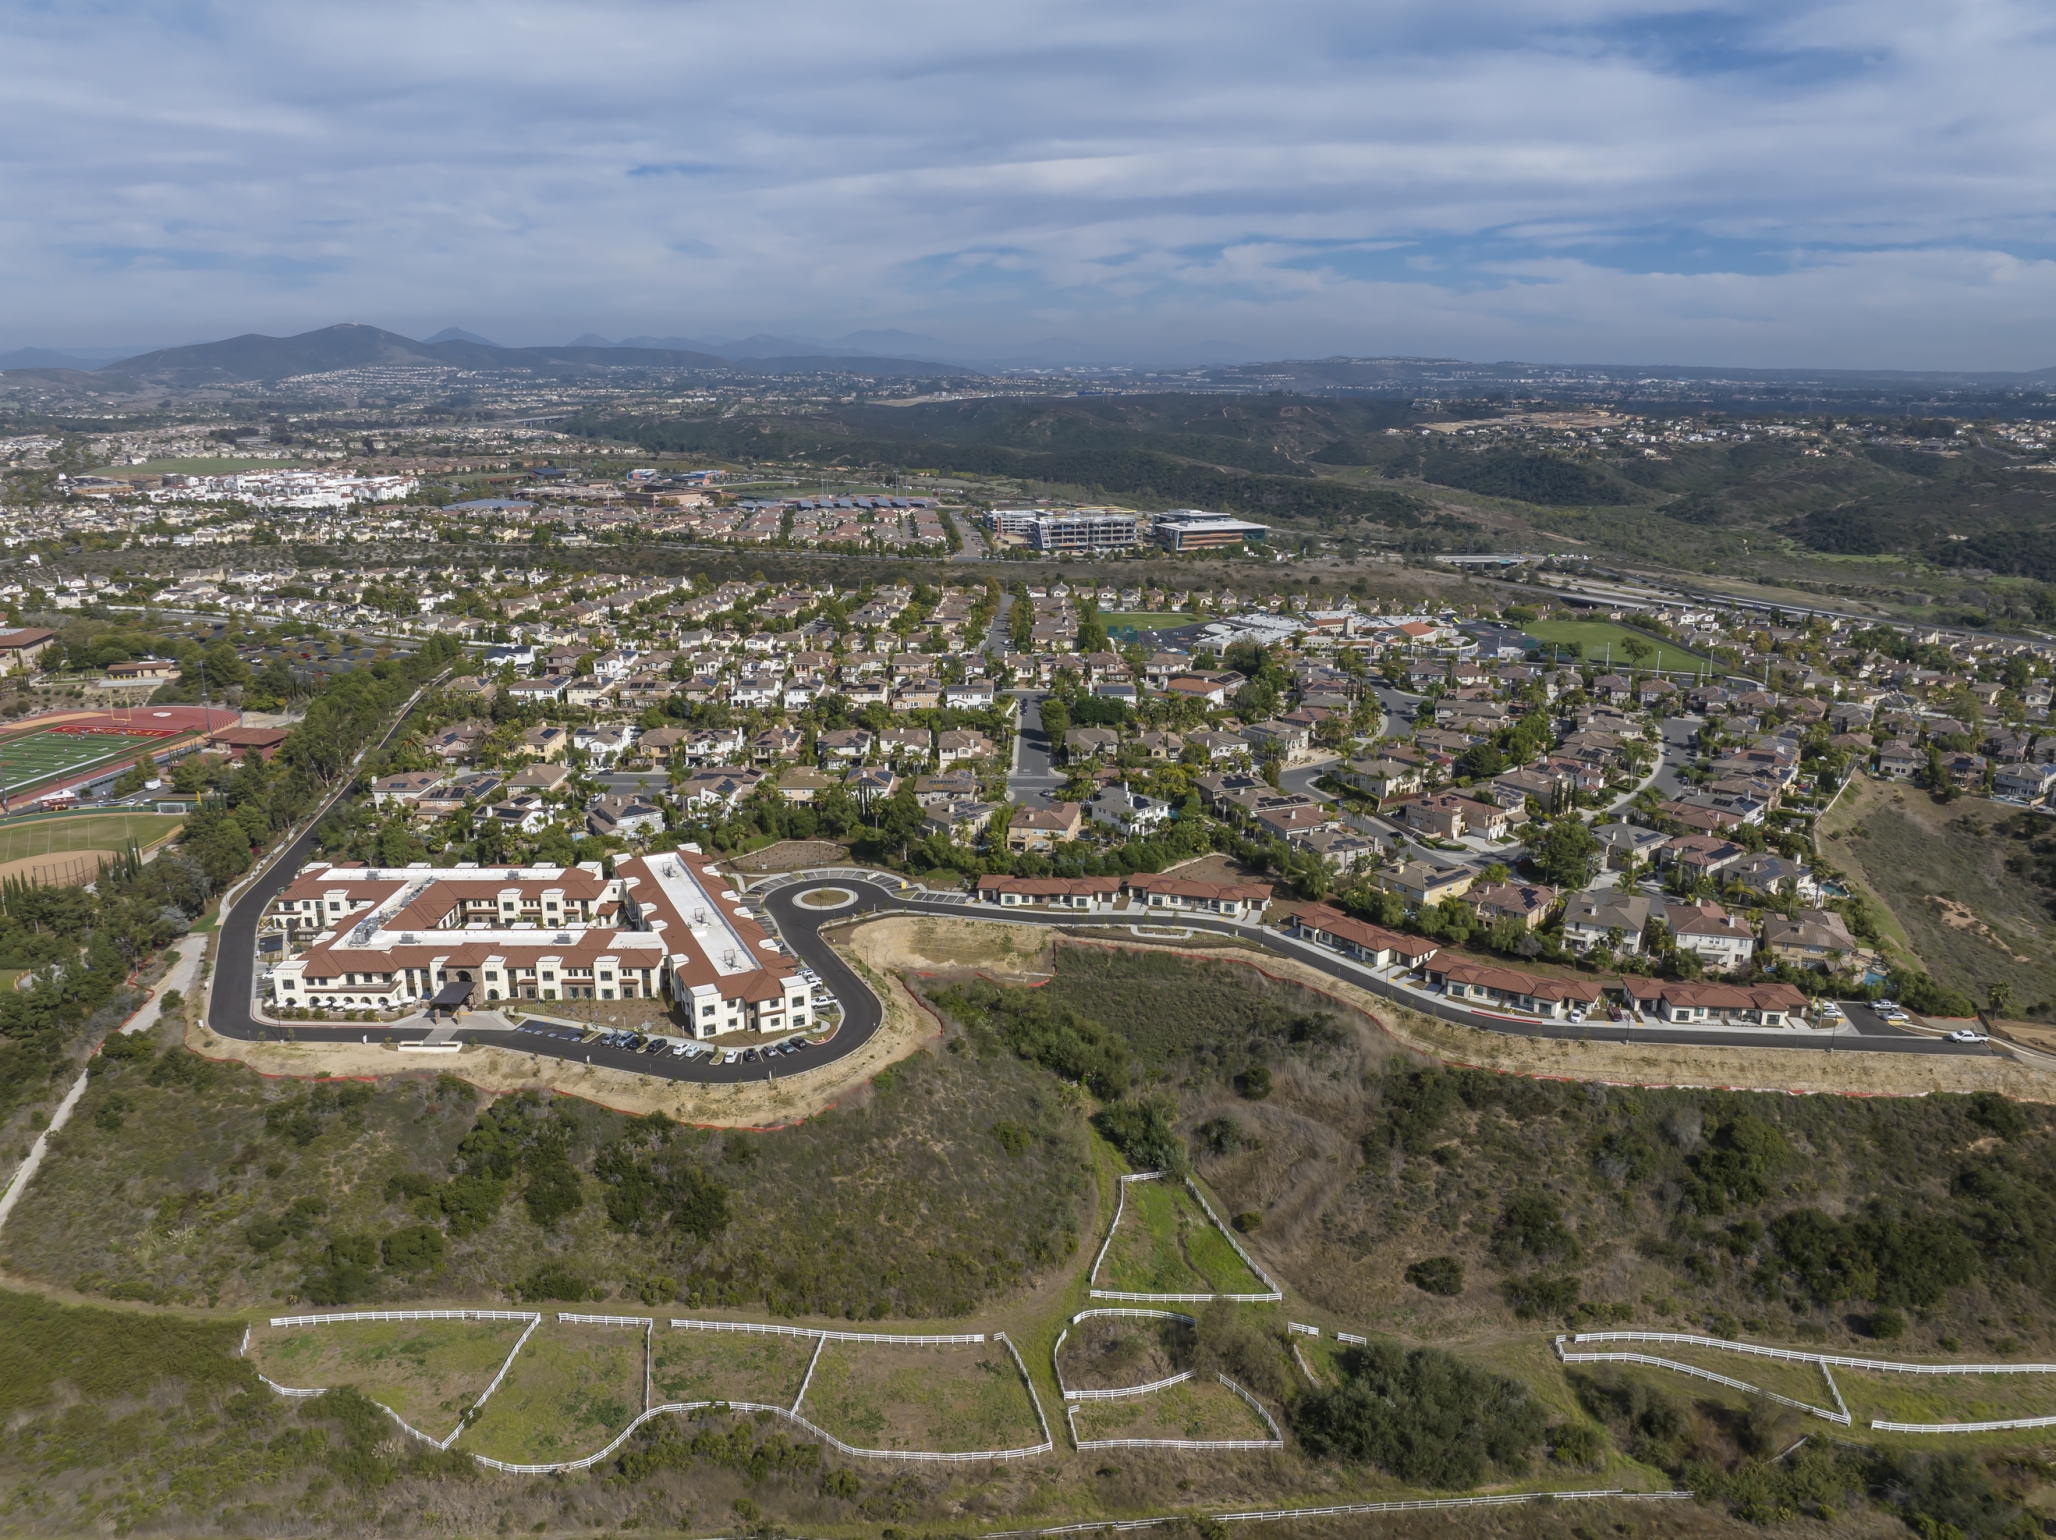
x=1798 y=183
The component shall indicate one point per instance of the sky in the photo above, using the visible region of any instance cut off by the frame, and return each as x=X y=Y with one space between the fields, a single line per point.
x=1789 y=183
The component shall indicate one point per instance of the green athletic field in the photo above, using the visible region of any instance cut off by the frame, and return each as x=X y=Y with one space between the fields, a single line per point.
x=41 y=756
x=83 y=831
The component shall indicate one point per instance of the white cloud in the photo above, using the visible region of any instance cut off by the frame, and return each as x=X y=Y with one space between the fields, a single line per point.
x=1825 y=183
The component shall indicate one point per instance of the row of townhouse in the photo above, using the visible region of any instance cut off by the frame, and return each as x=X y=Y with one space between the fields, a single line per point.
x=664 y=926
x=1161 y=891
x=1492 y=987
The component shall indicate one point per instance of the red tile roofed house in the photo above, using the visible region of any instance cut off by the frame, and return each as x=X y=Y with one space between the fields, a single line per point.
x=1371 y=944
x=1449 y=816
x=241 y=742
x=665 y=925
x=1482 y=983
x=1767 y=1005
x=1160 y=890
x=1039 y=828
x=1049 y=892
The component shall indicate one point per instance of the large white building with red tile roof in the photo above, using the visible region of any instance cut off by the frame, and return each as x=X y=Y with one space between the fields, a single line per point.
x=663 y=926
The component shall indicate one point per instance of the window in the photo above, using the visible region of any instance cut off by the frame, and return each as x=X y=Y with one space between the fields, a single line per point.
x=549 y=978
x=492 y=978
x=706 y=1011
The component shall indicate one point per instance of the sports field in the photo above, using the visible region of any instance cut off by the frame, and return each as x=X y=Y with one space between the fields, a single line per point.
x=42 y=755
x=84 y=831
x=1602 y=639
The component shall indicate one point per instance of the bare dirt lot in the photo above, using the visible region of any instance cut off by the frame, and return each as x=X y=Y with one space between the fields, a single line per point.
x=793 y=856
x=1014 y=953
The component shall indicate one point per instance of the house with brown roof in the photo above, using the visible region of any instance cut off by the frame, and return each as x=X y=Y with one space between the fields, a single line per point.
x=1510 y=989
x=1162 y=890
x=1372 y=945
x=1694 y=1004
x=1528 y=902
x=1041 y=828
x=1049 y=892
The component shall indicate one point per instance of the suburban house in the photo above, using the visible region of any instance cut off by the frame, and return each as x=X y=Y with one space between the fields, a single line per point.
x=1527 y=902
x=1372 y=945
x=1235 y=900
x=406 y=788
x=1721 y=942
x=1041 y=828
x=1511 y=989
x=1625 y=841
x=1091 y=743
x=1590 y=918
x=1682 y=1004
x=1128 y=811
x=629 y=817
x=1814 y=939
x=1419 y=883
x=1049 y=892
x=1378 y=777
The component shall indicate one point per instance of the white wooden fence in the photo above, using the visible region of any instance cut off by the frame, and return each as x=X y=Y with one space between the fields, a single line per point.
x=1823 y=1360
x=1093 y=1290
x=897 y=1339
x=1056 y=1355
x=1275 y=1441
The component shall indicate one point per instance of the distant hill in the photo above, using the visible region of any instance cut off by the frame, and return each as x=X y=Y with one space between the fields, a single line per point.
x=43 y=358
x=257 y=358
x=458 y=334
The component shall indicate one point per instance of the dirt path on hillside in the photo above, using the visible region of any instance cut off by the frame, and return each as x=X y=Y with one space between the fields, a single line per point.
x=792 y=1097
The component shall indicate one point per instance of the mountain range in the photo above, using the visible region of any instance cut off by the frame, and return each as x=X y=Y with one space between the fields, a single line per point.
x=254 y=357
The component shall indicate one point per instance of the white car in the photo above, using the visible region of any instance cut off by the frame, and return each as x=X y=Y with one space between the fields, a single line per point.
x=731 y=1056
x=1965 y=1035
x=1577 y=1016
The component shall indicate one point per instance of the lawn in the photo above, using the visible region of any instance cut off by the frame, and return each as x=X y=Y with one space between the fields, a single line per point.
x=571 y=1390
x=1596 y=636
x=1796 y=1381
x=1165 y=1244
x=427 y=1371
x=1145 y=620
x=730 y=1366
x=45 y=754
x=1946 y=1398
x=1196 y=1409
x=948 y=1399
x=84 y=831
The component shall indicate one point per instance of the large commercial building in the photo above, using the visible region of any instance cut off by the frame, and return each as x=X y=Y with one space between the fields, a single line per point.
x=1084 y=529
x=1193 y=529
x=377 y=938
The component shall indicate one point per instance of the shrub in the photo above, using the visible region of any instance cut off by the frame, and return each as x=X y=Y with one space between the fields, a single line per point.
x=1538 y=1296
x=1423 y=1415
x=1142 y=1132
x=554 y=1280
x=416 y=1249
x=1576 y=1443
x=1886 y=1325
x=1249 y=1221
x=1254 y=1082
x=1436 y=1275
x=1012 y=1137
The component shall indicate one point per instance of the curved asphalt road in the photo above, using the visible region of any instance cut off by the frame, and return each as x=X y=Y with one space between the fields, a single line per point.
x=800 y=927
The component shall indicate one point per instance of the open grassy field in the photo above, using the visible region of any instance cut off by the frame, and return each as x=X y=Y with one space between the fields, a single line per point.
x=83 y=831
x=1602 y=639
x=1800 y=1382
x=427 y=1371
x=1198 y=1409
x=1950 y=1398
x=957 y=1397
x=730 y=1366
x=1165 y=1244
x=572 y=1389
x=31 y=759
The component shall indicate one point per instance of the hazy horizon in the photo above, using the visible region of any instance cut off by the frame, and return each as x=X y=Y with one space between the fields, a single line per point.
x=1583 y=181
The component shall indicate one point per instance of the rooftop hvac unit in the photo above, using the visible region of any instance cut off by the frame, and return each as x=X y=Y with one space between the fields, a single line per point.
x=699 y=917
x=407 y=938
x=563 y=938
x=728 y=957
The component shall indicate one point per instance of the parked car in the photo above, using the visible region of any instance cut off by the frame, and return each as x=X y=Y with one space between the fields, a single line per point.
x=1965 y=1035
x=730 y=1057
